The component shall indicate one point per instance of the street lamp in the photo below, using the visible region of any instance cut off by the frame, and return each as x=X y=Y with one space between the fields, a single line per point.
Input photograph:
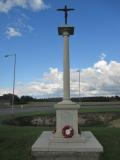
x=14 y=71
x=79 y=82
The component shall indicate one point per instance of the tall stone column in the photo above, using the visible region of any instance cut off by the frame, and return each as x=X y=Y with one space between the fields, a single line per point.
x=66 y=31
x=66 y=110
x=66 y=74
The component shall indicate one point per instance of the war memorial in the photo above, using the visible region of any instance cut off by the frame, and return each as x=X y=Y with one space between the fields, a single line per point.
x=67 y=142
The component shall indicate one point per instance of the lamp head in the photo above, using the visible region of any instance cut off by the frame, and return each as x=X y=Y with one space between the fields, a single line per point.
x=7 y=55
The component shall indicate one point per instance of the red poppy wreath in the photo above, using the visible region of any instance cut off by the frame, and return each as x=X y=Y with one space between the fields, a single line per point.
x=67 y=131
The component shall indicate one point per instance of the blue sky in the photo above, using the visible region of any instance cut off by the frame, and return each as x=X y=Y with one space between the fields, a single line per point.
x=29 y=29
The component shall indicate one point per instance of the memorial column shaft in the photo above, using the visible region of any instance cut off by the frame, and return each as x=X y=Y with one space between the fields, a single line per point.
x=66 y=74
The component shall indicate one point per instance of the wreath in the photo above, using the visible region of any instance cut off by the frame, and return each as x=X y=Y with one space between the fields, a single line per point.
x=67 y=131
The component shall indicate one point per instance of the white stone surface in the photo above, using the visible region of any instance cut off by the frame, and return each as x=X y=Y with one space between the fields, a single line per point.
x=44 y=143
x=66 y=117
x=67 y=104
x=75 y=139
x=66 y=73
x=66 y=114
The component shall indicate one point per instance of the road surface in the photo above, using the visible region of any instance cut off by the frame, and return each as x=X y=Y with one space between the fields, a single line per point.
x=50 y=109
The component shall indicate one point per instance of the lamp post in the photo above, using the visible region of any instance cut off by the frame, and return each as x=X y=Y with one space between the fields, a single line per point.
x=14 y=74
x=79 y=82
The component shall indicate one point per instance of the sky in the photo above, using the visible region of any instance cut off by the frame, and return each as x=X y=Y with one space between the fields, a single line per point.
x=28 y=28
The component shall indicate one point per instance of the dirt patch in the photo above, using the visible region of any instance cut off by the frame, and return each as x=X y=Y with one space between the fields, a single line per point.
x=115 y=123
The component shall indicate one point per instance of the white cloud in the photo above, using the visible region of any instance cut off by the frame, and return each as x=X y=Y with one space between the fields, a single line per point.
x=7 y=5
x=36 y=4
x=102 y=79
x=13 y=32
x=4 y=91
x=102 y=56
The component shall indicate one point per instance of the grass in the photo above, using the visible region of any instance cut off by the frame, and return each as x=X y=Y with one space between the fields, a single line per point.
x=110 y=139
x=16 y=142
x=99 y=110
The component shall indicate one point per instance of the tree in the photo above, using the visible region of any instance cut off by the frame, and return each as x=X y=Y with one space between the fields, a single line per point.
x=8 y=97
x=26 y=99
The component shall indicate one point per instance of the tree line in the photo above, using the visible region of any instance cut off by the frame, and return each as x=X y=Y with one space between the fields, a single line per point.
x=27 y=99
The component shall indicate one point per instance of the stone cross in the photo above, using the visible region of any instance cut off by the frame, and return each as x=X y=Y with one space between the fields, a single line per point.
x=66 y=10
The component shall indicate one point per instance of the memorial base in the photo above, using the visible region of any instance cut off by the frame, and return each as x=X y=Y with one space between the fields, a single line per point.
x=46 y=148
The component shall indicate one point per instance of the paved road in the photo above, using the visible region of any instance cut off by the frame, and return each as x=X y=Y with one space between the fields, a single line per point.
x=27 y=109
x=49 y=109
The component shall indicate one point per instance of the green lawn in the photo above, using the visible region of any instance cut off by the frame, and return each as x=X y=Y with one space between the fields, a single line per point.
x=110 y=139
x=16 y=142
x=99 y=110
